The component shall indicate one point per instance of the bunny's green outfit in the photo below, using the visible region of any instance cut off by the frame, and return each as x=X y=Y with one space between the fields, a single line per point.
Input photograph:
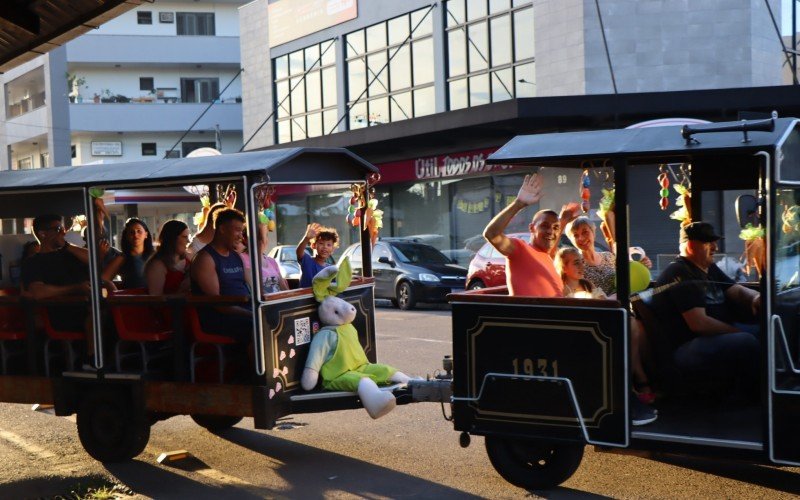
x=346 y=364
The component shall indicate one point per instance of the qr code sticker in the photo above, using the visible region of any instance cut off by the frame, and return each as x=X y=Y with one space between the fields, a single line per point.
x=302 y=331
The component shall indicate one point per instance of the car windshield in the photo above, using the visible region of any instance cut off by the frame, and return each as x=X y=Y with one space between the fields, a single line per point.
x=415 y=253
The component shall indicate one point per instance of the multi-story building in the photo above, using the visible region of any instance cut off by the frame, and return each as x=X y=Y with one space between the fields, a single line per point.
x=427 y=89
x=129 y=90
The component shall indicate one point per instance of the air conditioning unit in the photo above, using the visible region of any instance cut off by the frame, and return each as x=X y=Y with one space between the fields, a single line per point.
x=166 y=17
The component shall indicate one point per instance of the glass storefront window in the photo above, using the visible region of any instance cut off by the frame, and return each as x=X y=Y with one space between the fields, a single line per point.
x=305 y=82
x=405 y=43
x=526 y=75
x=488 y=37
x=424 y=102
x=401 y=107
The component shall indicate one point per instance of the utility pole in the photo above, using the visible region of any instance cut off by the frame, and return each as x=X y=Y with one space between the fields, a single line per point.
x=218 y=137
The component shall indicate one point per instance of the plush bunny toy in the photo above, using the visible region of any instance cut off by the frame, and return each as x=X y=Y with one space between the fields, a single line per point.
x=336 y=353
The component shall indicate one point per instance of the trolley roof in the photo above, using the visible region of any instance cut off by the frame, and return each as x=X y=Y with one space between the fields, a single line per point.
x=283 y=166
x=633 y=144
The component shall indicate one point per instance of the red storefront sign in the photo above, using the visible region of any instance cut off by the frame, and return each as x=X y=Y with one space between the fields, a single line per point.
x=466 y=164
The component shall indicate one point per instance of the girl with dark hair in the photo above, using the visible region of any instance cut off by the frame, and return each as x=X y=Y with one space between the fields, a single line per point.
x=137 y=247
x=167 y=271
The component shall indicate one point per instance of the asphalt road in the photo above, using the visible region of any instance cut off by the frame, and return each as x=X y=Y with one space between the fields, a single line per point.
x=411 y=453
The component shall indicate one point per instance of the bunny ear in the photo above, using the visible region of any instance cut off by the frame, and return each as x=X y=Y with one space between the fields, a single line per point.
x=344 y=277
x=321 y=283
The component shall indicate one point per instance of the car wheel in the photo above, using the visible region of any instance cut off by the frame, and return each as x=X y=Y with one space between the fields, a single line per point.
x=476 y=285
x=405 y=296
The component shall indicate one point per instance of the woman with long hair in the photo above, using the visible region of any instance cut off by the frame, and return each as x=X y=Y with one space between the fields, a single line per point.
x=137 y=247
x=167 y=271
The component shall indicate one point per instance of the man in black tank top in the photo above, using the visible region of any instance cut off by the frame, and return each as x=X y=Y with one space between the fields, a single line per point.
x=218 y=270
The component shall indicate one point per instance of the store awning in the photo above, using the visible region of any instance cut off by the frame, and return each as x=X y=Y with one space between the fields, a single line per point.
x=30 y=28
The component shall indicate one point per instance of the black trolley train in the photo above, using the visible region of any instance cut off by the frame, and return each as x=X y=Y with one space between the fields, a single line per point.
x=541 y=378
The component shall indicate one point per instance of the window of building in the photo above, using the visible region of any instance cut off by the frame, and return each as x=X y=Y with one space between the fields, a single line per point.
x=73 y=151
x=390 y=70
x=25 y=163
x=173 y=154
x=144 y=17
x=27 y=92
x=146 y=83
x=148 y=149
x=195 y=23
x=44 y=160
x=490 y=51
x=305 y=92
x=199 y=89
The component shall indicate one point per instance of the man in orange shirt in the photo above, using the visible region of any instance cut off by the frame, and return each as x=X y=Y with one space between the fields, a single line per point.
x=530 y=270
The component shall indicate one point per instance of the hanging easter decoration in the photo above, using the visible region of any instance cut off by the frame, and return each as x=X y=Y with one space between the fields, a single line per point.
x=265 y=199
x=584 y=190
x=663 y=182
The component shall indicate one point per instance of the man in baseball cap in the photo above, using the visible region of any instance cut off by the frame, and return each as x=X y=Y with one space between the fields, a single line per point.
x=700 y=306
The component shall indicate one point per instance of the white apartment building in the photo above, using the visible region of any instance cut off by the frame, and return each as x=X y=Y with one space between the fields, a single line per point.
x=129 y=90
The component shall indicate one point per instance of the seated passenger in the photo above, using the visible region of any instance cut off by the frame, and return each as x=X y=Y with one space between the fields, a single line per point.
x=600 y=267
x=137 y=247
x=167 y=271
x=271 y=279
x=29 y=249
x=530 y=270
x=206 y=229
x=58 y=269
x=324 y=240
x=571 y=266
x=698 y=304
x=217 y=270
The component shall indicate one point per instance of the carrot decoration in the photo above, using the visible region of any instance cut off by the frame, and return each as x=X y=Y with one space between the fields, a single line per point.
x=607 y=217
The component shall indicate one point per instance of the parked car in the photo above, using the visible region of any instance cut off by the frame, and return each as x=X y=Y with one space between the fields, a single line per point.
x=286 y=257
x=407 y=272
x=488 y=267
x=460 y=256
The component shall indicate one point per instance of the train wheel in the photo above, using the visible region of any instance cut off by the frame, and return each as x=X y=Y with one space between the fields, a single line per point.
x=109 y=428
x=533 y=465
x=216 y=423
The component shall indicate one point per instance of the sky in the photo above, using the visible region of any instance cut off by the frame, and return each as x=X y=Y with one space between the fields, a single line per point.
x=786 y=17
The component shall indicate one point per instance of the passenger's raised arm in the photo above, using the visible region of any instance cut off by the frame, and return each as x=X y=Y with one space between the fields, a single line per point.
x=529 y=193
x=311 y=233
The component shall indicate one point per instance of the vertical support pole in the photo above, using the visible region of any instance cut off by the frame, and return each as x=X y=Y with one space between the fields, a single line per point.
x=251 y=210
x=94 y=277
x=621 y=230
x=366 y=244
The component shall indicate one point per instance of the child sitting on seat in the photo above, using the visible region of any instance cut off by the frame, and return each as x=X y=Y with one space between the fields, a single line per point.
x=571 y=266
x=324 y=240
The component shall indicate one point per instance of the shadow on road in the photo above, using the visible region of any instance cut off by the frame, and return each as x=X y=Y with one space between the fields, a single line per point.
x=566 y=494
x=760 y=475
x=334 y=473
x=160 y=482
x=50 y=486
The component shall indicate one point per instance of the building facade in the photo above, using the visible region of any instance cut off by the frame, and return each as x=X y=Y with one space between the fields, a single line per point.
x=129 y=90
x=427 y=90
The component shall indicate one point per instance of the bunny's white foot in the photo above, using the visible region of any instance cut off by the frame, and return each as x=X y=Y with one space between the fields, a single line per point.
x=399 y=378
x=377 y=402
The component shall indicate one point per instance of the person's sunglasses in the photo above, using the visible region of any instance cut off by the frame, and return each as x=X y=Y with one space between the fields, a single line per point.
x=57 y=228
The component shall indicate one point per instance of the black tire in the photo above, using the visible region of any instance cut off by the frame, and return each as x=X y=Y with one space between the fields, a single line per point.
x=110 y=428
x=476 y=285
x=533 y=465
x=216 y=423
x=405 y=296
